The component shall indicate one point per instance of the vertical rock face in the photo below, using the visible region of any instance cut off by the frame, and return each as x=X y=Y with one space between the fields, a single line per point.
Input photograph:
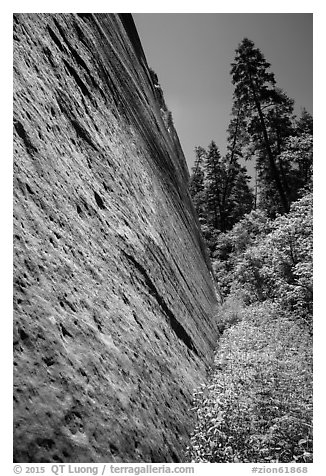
x=113 y=298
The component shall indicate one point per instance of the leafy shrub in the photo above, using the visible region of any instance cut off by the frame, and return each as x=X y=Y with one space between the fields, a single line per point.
x=231 y=245
x=279 y=266
x=231 y=312
x=257 y=404
x=261 y=259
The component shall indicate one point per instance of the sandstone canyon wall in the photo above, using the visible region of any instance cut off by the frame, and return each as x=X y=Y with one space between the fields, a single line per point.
x=113 y=300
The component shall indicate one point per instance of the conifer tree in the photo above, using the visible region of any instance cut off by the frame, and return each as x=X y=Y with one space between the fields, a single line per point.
x=237 y=196
x=304 y=124
x=255 y=91
x=214 y=179
x=196 y=184
x=219 y=187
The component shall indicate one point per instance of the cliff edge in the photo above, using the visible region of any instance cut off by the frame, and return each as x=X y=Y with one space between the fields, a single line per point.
x=113 y=299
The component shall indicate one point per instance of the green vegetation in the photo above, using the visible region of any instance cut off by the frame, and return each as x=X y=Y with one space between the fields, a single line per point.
x=262 y=259
x=257 y=406
x=257 y=403
x=262 y=129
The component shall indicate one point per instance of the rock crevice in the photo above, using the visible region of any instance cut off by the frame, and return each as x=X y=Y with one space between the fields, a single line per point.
x=179 y=330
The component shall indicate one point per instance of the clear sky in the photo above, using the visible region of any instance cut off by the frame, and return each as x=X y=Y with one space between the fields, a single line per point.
x=192 y=53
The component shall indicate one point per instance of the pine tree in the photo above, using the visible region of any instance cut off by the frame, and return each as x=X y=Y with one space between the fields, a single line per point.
x=304 y=124
x=196 y=184
x=265 y=107
x=219 y=186
x=237 y=196
x=214 y=179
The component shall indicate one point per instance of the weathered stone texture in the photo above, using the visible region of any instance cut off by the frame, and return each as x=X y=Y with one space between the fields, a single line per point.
x=113 y=299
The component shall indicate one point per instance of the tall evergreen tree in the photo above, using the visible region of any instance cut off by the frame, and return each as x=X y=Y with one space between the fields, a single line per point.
x=237 y=198
x=304 y=124
x=214 y=178
x=196 y=184
x=255 y=91
x=219 y=186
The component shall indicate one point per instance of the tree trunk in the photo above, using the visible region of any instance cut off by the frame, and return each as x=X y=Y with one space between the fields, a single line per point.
x=271 y=159
x=227 y=180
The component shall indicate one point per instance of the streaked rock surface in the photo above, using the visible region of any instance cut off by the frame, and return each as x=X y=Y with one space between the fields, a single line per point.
x=113 y=299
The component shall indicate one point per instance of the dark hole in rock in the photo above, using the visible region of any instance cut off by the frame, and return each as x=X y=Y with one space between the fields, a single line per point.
x=29 y=189
x=175 y=458
x=55 y=39
x=113 y=449
x=72 y=307
x=23 y=334
x=57 y=458
x=45 y=442
x=137 y=320
x=48 y=361
x=64 y=331
x=24 y=136
x=82 y=372
x=99 y=201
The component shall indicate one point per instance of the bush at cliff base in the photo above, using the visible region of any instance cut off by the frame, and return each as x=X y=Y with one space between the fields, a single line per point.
x=262 y=259
x=257 y=404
